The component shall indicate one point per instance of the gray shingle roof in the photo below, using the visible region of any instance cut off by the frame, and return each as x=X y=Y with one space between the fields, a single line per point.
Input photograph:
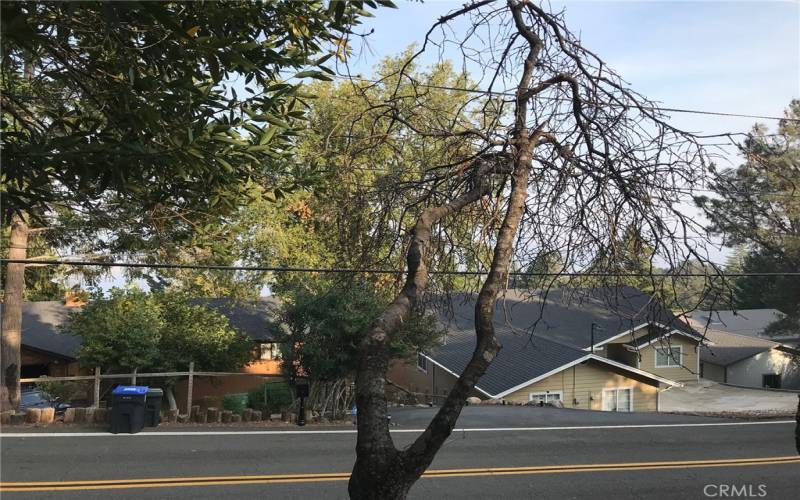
x=533 y=348
x=41 y=323
x=521 y=359
x=729 y=348
x=750 y=322
x=254 y=318
x=566 y=316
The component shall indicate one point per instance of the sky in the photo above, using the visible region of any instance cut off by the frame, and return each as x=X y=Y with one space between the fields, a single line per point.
x=731 y=56
x=728 y=56
x=722 y=56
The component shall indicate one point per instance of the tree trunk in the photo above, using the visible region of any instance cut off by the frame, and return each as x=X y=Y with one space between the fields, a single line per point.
x=381 y=471
x=378 y=471
x=173 y=405
x=12 y=315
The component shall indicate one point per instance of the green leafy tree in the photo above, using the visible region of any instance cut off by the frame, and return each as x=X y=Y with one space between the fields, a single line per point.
x=325 y=313
x=156 y=332
x=138 y=97
x=758 y=207
x=352 y=215
x=145 y=119
x=326 y=320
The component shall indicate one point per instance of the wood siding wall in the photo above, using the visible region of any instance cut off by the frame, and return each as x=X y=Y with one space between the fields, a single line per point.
x=689 y=372
x=582 y=387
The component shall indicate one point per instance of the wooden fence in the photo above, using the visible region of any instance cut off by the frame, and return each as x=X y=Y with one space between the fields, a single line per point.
x=98 y=376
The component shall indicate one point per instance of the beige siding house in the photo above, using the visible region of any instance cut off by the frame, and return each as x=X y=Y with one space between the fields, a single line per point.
x=593 y=386
x=594 y=354
x=655 y=349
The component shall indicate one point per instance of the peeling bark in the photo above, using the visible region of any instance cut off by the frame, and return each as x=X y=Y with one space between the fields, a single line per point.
x=10 y=358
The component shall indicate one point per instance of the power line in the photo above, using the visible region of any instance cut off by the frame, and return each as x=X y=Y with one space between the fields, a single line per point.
x=512 y=94
x=334 y=270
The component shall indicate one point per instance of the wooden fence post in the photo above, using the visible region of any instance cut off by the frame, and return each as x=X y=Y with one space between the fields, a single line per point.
x=133 y=376
x=189 y=388
x=97 y=387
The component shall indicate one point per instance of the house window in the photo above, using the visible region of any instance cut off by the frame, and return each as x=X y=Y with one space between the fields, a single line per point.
x=269 y=351
x=545 y=397
x=422 y=362
x=771 y=381
x=618 y=399
x=668 y=357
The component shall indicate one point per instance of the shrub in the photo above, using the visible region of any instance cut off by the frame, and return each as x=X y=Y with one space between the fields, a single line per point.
x=270 y=397
x=57 y=389
x=235 y=403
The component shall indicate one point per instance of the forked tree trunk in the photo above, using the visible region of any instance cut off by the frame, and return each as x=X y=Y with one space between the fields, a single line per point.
x=381 y=471
x=14 y=288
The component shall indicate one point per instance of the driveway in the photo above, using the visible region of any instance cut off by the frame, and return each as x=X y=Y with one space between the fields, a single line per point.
x=708 y=396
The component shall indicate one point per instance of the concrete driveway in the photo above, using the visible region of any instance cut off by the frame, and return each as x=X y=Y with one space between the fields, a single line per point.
x=708 y=396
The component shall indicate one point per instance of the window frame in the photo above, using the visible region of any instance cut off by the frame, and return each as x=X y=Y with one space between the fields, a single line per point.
x=670 y=358
x=532 y=395
x=615 y=391
x=423 y=367
x=272 y=348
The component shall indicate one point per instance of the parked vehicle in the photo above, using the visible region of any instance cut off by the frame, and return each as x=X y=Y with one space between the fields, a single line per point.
x=38 y=399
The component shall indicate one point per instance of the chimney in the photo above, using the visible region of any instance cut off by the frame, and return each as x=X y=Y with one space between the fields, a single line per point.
x=74 y=298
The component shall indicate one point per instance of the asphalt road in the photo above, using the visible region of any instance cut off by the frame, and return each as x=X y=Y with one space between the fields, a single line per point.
x=667 y=456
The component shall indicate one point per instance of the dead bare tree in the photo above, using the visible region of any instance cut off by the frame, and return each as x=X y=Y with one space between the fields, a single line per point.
x=564 y=159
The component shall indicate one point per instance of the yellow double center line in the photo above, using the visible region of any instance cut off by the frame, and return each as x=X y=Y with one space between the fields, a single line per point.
x=173 y=482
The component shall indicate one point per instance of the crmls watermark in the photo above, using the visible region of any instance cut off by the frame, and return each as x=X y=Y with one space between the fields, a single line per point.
x=735 y=490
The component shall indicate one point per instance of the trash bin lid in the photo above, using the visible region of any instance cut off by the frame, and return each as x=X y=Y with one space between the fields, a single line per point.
x=135 y=390
x=154 y=391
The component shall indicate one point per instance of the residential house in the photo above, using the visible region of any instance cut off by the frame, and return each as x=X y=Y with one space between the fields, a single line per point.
x=749 y=361
x=49 y=350
x=600 y=349
x=46 y=349
x=256 y=319
x=748 y=322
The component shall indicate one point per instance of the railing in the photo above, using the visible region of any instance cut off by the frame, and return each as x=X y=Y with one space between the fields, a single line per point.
x=98 y=376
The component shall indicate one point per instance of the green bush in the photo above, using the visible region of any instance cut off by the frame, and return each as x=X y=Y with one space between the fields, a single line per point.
x=235 y=403
x=270 y=397
x=53 y=389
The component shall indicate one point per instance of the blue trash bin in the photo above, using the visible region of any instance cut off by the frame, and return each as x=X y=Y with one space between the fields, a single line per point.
x=127 y=408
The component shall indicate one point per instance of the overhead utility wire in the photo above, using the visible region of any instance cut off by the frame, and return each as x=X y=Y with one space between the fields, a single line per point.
x=513 y=94
x=213 y=267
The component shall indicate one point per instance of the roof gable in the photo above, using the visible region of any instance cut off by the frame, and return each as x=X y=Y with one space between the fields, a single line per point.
x=539 y=341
